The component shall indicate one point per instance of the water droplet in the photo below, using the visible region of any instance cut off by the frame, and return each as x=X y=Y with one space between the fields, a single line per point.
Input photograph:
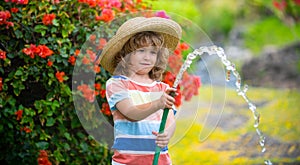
x=258 y=132
x=245 y=88
x=262 y=141
x=268 y=162
x=256 y=115
x=256 y=123
x=228 y=75
x=252 y=107
x=191 y=56
x=225 y=62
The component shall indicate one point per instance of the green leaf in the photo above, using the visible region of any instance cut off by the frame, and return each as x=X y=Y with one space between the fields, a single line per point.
x=58 y=156
x=42 y=145
x=65 y=33
x=50 y=122
x=49 y=113
x=40 y=28
x=55 y=104
x=19 y=72
x=55 y=23
x=67 y=146
x=67 y=135
x=18 y=33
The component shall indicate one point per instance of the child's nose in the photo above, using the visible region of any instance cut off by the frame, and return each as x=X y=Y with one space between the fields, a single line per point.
x=147 y=55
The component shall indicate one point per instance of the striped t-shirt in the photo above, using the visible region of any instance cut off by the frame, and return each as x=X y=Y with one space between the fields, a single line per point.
x=134 y=143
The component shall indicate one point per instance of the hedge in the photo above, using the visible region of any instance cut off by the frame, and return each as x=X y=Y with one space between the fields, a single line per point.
x=50 y=83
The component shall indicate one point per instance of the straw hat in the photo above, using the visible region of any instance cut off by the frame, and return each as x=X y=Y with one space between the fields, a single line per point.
x=169 y=29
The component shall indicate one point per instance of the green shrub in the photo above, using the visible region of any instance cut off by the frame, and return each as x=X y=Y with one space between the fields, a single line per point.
x=39 y=43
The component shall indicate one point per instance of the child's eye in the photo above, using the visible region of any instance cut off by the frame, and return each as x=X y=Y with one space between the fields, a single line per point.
x=153 y=52
x=140 y=50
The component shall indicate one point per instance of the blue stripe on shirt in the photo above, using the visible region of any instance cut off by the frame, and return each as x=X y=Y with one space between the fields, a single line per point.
x=136 y=144
x=136 y=128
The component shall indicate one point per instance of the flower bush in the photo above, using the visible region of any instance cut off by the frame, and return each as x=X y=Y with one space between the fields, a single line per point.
x=40 y=45
x=287 y=9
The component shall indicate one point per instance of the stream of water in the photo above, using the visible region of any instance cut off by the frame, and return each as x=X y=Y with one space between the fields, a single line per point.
x=240 y=89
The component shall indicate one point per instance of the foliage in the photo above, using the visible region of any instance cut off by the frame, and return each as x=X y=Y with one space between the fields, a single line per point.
x=40 y=42
x=277 y=24
x=262 y=33
x=187 y=8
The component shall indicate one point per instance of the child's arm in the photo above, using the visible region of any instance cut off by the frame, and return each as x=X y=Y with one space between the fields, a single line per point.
x=139 y=112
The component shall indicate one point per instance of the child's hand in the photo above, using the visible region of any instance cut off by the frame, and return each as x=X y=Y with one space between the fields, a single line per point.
x=162 y=140
x=166 y=99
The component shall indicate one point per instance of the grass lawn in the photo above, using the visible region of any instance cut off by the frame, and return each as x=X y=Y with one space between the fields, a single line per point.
x=227 y=135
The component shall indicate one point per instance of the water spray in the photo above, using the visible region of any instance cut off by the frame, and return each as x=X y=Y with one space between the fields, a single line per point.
x=241 y=91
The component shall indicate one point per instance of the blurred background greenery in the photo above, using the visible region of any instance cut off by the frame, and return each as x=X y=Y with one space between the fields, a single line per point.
x=262 y=22
x=265 y=28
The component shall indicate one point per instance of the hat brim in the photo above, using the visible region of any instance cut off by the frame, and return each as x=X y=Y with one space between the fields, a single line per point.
x=169 y=29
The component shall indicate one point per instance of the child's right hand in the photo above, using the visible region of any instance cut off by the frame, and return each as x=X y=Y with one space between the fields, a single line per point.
x=167 y=101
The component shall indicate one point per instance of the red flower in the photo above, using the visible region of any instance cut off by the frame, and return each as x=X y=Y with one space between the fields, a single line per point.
x=31 y=51
x=184 y=46
x=85 y=60
x=49 y=63
x=4 y=15
x=43 y=158
x=19 y=114
x=297 y=2
x=280 y=5
x=190 y=85
x=92 y=37
x=175 y=62
x=88 y=93
x=178 y=97
x=2 y=55
x=102 y=93
x=26 y=129
x=41 y=50
x=55 y=1
x=97 y=69
x=14 y=10
x=44 y=51
x=72 y=60
x=105 y=109
x=1 y=84
x=21 y=2
x=60 y=76
x=77 y=51
x=169 y=78
x=48 y=18
x=102 y=43
x=107 y=15
x=98 y=86
x=91 y=54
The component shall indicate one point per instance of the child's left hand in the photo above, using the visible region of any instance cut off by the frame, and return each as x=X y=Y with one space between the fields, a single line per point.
x=162 y=140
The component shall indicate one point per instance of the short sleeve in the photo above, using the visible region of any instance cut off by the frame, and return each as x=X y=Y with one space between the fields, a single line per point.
x=116 y=90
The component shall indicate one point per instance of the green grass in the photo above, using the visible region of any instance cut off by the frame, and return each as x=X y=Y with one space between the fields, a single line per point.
x=270 y=32
x=280 y=114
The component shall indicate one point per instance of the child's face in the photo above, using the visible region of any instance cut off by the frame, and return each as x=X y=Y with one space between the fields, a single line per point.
x=143 y=59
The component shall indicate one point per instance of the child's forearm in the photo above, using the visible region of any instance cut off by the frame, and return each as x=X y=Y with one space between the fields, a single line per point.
x=138 y=112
